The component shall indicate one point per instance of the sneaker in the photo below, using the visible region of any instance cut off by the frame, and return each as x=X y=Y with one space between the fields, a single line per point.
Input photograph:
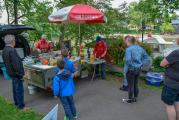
x=134 y=99
x=75 y=117
x=25 y=109
x=123 y=88
x=129 y=101
x=65 y=118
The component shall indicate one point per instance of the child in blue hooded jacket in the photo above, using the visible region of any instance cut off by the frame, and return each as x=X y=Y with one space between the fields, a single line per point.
x=64 y=88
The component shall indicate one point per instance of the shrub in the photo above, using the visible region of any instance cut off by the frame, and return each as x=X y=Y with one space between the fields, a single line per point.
x=57 y=46
x=156 y=65
x=116 y=49
x=167 y=28
x=147 y=47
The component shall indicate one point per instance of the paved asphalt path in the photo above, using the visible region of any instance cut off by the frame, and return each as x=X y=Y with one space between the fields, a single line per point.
x=100 y=100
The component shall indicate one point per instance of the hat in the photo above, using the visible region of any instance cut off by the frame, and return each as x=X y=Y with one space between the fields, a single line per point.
x=98 y=38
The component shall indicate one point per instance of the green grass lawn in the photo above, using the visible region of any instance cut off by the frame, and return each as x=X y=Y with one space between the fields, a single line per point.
x=9 y=112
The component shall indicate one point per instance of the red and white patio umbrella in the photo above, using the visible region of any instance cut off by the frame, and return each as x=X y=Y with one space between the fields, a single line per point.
x=79 y=13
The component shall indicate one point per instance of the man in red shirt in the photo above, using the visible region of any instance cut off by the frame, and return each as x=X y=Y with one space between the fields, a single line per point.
x=100 y=51
x=43 y=45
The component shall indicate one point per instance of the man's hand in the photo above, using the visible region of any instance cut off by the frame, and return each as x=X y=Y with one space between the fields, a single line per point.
x=164 y=63
x=75 y=74
x=38 y=50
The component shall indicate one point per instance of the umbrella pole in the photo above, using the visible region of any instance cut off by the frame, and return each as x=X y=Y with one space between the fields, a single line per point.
x=79 y=33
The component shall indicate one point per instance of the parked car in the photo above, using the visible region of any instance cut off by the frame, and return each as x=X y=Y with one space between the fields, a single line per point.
x=22 y=45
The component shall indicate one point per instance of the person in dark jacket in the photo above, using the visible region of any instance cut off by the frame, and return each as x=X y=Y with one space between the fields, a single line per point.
x=15 y=70
x=64 y=88
x=170 y=92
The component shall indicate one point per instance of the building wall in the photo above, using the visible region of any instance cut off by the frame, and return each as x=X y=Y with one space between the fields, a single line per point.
x=177 y=28
x=175 y=24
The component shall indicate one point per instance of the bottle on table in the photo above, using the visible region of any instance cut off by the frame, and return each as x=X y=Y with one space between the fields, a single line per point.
x=89 y=53
x=92 y=58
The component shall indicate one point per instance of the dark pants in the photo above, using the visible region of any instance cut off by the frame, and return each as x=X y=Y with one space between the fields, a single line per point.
x=132 y=79
x=69 y=106
x=18 y=92
x=103 y=70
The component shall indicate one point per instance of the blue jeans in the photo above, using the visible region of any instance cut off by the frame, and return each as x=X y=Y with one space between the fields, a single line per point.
x=132 y=78
x=69 y=106
x=18 y=92
x=103 y=70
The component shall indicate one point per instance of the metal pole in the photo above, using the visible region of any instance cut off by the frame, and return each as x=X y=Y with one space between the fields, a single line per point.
x=79 y=39
x=79 y=34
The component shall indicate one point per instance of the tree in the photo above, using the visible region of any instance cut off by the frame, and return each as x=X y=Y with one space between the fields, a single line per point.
x=17 y=9
x=167 y=8
x=36 y=12
x=15 y=2
x=155 y=12
x=38 y=18
x=134 y=16
x=167 y=28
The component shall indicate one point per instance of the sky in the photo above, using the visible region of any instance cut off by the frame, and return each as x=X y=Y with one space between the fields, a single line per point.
x=116 y=3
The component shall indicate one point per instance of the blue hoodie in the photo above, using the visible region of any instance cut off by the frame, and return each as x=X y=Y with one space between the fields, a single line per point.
x=63 y=84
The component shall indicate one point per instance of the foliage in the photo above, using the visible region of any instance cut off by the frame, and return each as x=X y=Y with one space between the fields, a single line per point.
x=134 y=16
x=167 y=8
x=149 y=9
x=9 y=112
x=147 y=47
x=36 y=12
x=156 y=65
x=116 y=49
x=24 y=7
x=167 y=28
x=154 y=12
x=57 y=46
x=38 y=18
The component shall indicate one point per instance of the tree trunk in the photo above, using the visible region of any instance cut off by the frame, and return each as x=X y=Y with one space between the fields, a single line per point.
x=15 y=12
x=17 y=18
